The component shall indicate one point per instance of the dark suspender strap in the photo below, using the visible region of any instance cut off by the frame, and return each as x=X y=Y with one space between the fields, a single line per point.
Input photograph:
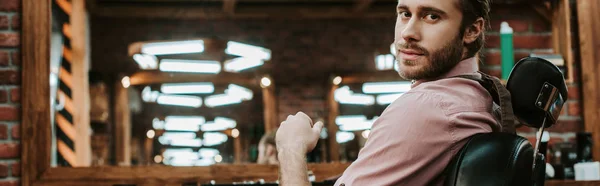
x=500 y=95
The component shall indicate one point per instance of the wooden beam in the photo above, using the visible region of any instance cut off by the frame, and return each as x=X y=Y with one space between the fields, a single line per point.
x=561 y=35
x=35 y=90
x=362 y=5
x=588 y=13
x=122 y=126
x=270 y=108
x=173 y=175
x=80 y=90
x=332 y=128
x=157 y=77
x=229 y=6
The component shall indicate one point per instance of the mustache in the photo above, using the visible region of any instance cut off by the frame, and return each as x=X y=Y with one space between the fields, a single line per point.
x=412 y=46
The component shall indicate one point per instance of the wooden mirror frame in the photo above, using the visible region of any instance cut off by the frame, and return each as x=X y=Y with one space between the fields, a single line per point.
x=36 y=130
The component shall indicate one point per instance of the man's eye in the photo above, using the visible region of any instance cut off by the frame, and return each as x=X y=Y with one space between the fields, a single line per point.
x=432 y=17
x=404 y=14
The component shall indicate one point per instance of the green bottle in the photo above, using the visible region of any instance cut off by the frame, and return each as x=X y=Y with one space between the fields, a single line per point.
x=506 y=48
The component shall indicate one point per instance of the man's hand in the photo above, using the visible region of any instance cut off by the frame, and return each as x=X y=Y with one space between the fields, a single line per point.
x=298 y=133
x=295 y=137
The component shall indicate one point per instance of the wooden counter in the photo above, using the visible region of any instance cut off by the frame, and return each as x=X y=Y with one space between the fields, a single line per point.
x=571 y=183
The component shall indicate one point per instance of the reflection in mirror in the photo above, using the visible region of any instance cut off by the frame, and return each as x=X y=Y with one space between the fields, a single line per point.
x=133 y=90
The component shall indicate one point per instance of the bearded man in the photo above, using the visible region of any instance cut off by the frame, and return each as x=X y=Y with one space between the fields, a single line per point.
x=417 y=135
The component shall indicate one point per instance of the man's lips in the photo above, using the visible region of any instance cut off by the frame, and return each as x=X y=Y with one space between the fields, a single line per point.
x=409 y=54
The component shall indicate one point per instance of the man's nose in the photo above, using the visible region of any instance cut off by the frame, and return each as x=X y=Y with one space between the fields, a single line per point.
x=411 y=31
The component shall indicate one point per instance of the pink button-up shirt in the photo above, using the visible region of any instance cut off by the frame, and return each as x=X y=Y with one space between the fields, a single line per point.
x=417 y=135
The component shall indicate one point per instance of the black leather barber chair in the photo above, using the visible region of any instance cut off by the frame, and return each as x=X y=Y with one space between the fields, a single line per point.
x=538 y=92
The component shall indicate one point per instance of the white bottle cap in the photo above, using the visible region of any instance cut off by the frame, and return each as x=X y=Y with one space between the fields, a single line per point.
x=505 y=29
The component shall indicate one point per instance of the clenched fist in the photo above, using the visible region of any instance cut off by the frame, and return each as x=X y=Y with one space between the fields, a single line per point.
x=297 y=133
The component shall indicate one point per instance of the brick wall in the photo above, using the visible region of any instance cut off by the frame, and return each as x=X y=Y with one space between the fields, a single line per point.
x=10 y=76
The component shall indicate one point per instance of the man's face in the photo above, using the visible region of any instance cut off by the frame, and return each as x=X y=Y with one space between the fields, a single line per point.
x=428 y=37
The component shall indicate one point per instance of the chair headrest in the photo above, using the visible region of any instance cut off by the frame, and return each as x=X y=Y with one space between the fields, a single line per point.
x=538 y=91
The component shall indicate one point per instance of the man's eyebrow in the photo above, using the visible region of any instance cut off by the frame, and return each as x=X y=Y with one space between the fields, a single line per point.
x=431 y=9
x=401 y=7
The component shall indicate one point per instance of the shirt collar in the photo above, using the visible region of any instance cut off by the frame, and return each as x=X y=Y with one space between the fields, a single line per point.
x=463 y=67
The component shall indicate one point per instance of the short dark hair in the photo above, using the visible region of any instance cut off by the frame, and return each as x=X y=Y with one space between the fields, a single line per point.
x=472 y=10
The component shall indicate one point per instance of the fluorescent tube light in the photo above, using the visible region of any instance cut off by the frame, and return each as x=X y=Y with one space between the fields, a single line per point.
x=181 y=127
x=220 y=124
x=242 y=63
x=208 y=152
x=187 y=88
x=386 y=87
x=221 y=99
x=343 y=137
x=178 y=100
x=345 y=96
x=148 y=95
x=195 y=120
x=387 y=98
x=237 y=91
x=168 y=137
x=146 y=61
x=341 y=120
x=173 y=47
x=214 y=138
x=193 y=66
x=158 y=124
x=248 y=51
x=365 y=125
x=187 y=142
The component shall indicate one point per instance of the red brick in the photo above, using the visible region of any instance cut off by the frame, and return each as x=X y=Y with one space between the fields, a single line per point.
x=10 y=183
x=532 y=41
x=10 y=77
x=3 y=96
x=16 y=22
x=563 y=111
x=8 y=113
x=16 y=58
x=573 y=92
x=4 y=22
x=517 y=25
x=16 y=131
x=3 y=170
x=540 y=25
x=520 y=55
x=15 y=95
x=10 y=5
x=492 y=59
x=522 y=41
x=493 y=72
x=9 y=40
x=567 y=126
x=3 y=131
x=492 y=41
x=9 y=150
x=16 y=169
x=574 y=108
x=4 y=58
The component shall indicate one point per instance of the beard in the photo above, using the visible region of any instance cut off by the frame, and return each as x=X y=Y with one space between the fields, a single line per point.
x=440 y=61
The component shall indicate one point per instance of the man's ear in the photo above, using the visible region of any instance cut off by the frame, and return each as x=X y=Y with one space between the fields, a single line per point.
x=473 y=31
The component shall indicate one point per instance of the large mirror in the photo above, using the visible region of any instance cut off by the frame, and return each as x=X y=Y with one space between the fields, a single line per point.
x=171 y=83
